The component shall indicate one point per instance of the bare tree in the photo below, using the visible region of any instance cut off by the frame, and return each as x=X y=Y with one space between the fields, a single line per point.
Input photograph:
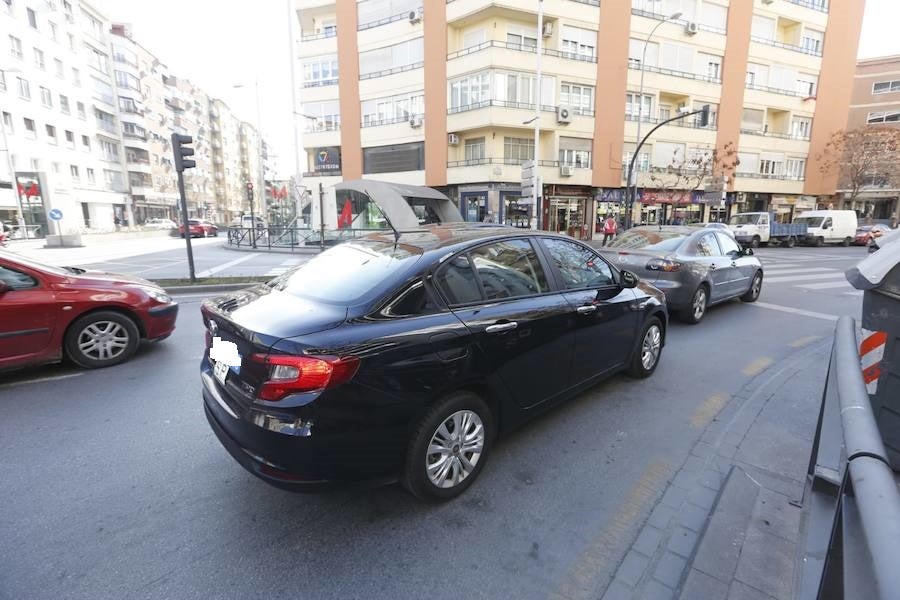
x=684 y=174
x=862 y=157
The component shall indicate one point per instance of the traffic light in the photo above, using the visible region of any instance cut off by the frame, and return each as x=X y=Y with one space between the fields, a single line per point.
x=181 y=150
x=250 y=191
x=704 y=115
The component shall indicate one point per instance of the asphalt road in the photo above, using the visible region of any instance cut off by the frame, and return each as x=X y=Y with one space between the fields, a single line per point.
x=113 y=486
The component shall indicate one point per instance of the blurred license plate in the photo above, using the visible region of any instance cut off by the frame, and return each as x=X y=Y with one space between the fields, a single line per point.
x=220 y=370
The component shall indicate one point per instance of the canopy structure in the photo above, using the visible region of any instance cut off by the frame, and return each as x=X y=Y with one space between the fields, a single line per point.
x=407 y=206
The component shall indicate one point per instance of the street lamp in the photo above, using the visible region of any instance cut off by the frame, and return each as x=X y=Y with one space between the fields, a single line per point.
x=640 y=100
x=20 y=215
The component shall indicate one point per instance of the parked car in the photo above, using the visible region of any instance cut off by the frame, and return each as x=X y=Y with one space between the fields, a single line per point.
x=165 y=224
x=93 y=319
x=384 y=359
x=828 y=226
x=199 y=228
x=755 y=228
x=867 y=233
x=889 y=237
x=695 y=267
x=721 y=227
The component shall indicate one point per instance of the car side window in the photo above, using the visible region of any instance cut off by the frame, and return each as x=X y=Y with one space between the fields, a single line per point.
x=16 y=279
x=827 y=223
x=579 y=266
x=456 y=281
x=728 y=245
x=509 y=269
x=413 y=301
x=707 y=246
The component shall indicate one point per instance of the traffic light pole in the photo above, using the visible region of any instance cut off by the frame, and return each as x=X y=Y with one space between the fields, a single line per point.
x=632 y=189
x=252 y=215
x=187 y=227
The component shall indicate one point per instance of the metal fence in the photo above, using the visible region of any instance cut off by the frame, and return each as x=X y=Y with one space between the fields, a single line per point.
x=852 y=540
x=293 y=238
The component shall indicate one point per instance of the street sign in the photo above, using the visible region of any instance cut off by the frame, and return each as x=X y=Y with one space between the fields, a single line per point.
x=55 y=214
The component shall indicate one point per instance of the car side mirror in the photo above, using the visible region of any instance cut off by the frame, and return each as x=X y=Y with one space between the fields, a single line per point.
x=628 y=280
x=748 y=251
x=4 y=287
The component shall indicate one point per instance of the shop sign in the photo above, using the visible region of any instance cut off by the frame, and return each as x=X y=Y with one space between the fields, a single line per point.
x=610 y=195
x=676 y=197
x=29 y=188
x=327 y=159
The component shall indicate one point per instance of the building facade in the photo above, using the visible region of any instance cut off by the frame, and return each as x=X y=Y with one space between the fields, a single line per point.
x=445 y=94
x=876 y=103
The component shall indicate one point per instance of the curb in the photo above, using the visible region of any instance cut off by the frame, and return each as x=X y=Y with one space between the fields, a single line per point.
x=212 y=288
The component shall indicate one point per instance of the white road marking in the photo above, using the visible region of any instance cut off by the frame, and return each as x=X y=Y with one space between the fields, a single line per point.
x=224 y=266
x=854 y=293
x=40 y=380
x=800 y=278
x=795 y=311
x=826 y=285
x=781 y=271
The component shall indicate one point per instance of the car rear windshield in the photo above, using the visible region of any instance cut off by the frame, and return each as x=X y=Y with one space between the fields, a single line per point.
x=649 y=239
x=810 y=221
x=347 y=273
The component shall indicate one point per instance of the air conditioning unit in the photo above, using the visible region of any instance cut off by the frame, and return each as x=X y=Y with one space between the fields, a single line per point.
x=566 y=170
x=563 y=114
x=691 y=28
x=415 y=16
x=548 y=30
x=683 y=108
x=415 y=122
x=452 y=139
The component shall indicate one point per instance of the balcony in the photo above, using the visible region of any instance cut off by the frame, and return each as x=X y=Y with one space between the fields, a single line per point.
x=520 y=48
x=321 y=82
x=665 y=17
x=312 y=37
x=386 y=20
x=175 y=104
x=786 y=46
x=777 y=176
x=107 y=126
x=384 y=73
x=819 y=5
x=783 y=92
x=686 y=123
x=635 y=66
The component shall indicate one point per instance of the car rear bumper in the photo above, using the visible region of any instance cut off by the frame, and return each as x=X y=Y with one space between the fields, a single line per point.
x=677 y=295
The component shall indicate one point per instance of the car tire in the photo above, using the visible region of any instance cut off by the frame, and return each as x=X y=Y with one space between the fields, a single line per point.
x=846 y=242
x=101 y=339
x=789 y=242
x=820 y=241
x=421 y=475
x=754 y=243
x=752 y=294
x=648 y=351
x=696 y=310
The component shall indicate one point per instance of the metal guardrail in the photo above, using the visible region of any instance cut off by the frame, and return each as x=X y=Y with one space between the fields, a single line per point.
x=853 y=525
x=274 y=237
x=785 y=45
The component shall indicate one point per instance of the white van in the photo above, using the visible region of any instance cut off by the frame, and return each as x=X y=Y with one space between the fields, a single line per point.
x=828 y=226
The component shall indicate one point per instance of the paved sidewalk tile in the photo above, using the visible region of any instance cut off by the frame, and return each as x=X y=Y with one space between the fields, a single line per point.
x=669 y=569
x=700 y=586
x=632 y=568
x=683 y=541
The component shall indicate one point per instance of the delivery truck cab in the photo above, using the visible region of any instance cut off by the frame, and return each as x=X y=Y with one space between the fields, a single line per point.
x=828 y=226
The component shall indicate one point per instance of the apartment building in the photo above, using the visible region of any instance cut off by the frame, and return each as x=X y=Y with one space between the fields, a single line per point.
x=228 y=161
x=445 y=93
x=876 y=103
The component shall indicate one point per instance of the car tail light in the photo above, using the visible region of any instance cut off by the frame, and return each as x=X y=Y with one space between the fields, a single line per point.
x=663 y=264
x=295 y=374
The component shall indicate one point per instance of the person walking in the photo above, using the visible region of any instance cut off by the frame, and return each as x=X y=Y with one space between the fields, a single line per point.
x=610 y=227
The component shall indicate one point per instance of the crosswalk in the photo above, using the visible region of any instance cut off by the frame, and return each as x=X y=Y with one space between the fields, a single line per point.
x=286 y=266
x=809 y=271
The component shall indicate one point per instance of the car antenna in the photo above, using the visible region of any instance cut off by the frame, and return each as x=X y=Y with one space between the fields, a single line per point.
x=387 y=220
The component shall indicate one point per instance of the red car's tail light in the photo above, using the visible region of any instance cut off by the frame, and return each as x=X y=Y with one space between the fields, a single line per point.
x=294 y=374
x=663 y=264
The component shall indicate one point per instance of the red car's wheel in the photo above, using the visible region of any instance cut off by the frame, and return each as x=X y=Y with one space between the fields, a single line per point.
x=101 y=339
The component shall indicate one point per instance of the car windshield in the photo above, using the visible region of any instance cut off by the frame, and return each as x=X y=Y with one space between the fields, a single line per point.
x=810 y=221
x=649 y=239
x=346 y=273
x=747 y=219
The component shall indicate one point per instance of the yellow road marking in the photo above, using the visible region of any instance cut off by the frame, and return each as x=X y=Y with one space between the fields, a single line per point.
x=586 y=577
x=803 y=341
x=757 y=366
x=707 y=411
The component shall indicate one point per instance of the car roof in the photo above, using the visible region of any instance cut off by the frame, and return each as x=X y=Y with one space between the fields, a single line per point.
x=451 y=236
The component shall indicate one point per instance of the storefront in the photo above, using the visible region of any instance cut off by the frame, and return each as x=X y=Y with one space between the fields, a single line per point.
x=609 y=202
x=569 y=210
x=786 y=208
x=146 y=208
x=494 y=203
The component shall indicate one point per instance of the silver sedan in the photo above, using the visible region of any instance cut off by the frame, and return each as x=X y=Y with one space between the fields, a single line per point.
x=695 y=267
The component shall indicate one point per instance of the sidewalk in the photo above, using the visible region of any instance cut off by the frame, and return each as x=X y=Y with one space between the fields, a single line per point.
x=729 y=523
x=104 y=247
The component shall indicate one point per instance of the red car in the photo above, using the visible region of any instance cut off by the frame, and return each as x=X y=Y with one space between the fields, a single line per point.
x=200 y=229
x=867 y=233
x=93 y=319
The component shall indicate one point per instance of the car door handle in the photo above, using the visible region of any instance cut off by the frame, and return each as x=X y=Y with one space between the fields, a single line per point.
x=501 y=327
x=586 y=310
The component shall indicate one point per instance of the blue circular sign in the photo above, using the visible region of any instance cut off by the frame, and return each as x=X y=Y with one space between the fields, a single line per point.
x=55 y=214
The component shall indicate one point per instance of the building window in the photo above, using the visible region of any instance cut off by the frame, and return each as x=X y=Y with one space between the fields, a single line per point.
x=519 y=38
x=15 y=47
x=76 y=77
x=32 y=18
x=393 y=109
x=86 y=142
x=636 y=53
x=81 y=113
x=801 y=127
x=64 y=104
x=53 y=30
x=579 y=97
x=30 y=129
x=517 y=150
x=39 y=61
x=883 y=117
x=124 y=56
x=35 y=164
x=770 y=167
x=324 y=116
x=399 y=57
x=884 y=87
x=8 y=123
x=474 y=149
x=713 y=16
x=127 y=80
x=642 y=164
x=635 y=104
x=395 y=158
x=90 y=175
x=811 y=41
x=51 y=133
x=579 y=43
x=575 y=152
x=806 y=86
x=71 y=41
x=127 y=105
x=470 y=90
x=2 y=81
x=752 y=119
x=133 y=130
x=709 y=65
x=24 y=89
x=109 y=151
x=97 y=59
x=73 y=170
x=377 y=11
x=757 y=75
x=60 y=69
x=795 y=168
x=46 y=97
x=320 y=70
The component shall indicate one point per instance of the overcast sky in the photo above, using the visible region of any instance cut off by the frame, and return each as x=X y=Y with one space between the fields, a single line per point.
x=219 y=43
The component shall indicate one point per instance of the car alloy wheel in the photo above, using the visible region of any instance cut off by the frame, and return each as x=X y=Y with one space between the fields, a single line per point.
x=698 y=306
x=650 y=347
x=455 y=449
x=752 y=294
x=103 y=340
